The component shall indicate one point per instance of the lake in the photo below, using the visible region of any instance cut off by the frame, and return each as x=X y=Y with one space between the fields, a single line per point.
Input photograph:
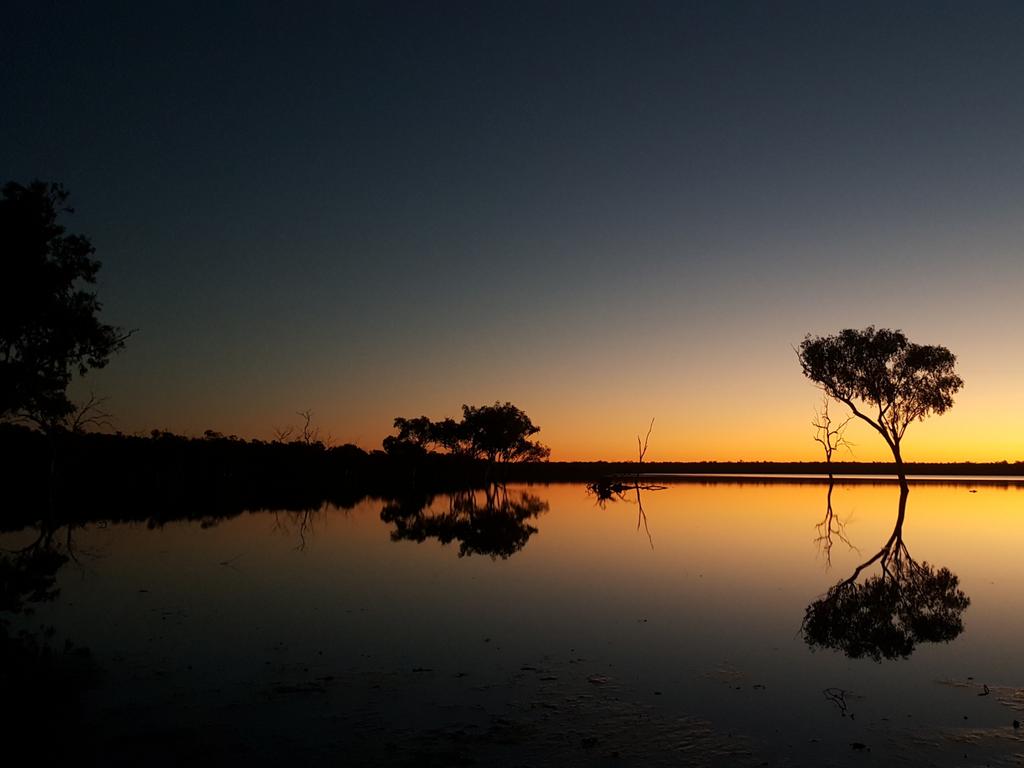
x=537 y=626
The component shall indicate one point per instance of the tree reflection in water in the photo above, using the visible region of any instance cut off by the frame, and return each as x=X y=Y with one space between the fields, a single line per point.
x=42 y=682
x=611 y=489
x=491 y=522
x=831 y=526
x=302 y=521
x=889 y=613
x=29 y=575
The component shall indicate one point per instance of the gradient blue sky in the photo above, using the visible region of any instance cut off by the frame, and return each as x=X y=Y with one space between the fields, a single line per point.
x=602 y=212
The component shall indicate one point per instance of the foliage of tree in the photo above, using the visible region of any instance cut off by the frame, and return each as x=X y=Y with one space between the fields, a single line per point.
x=495 y=433
x=500 y=433
x=49 y=319
x=885 y=380
x=415 y=436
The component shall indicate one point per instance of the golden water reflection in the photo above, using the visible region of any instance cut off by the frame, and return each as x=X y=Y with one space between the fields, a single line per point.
x=554 y=590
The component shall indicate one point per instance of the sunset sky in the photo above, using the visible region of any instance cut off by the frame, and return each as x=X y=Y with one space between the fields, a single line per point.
x=602 y=212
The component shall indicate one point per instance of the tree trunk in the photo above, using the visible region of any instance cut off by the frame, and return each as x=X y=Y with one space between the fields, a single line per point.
x=901 y=471
x=51 y=475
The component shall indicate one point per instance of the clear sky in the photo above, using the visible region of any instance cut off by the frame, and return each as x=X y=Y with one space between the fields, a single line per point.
x=602 y=212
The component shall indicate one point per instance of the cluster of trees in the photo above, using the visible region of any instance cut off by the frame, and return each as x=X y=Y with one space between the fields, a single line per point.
x=498 y=433
x=50 y=330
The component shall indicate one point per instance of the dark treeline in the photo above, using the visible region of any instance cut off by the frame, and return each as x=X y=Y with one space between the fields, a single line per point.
x=74 y=478
x=169 y=477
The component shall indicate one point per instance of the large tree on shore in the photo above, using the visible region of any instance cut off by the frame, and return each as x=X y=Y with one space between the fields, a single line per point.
x=883 y=378
x=499 y=433
x=49 y=319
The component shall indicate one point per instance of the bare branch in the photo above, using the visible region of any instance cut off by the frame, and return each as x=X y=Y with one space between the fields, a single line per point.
x=830 y=435
x=309 y=433
x=90 y=414
x=643 y=448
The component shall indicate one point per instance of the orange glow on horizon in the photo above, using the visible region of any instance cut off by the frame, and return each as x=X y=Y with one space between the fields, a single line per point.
x=751 y=406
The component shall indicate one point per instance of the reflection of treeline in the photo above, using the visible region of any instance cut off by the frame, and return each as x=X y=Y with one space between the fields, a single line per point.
x=168 y=477
x=42 y=680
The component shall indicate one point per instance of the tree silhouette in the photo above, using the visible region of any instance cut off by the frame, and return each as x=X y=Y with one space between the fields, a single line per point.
x=881 y=371
x=414 y=438
x=501 y=433
x=828 y=433
x=888 y=614
x=831 y=436
x=498 y=433
x=49 y=324
x=612 y=487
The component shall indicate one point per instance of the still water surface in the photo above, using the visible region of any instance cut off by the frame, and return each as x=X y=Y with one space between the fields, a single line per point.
x=539 y=627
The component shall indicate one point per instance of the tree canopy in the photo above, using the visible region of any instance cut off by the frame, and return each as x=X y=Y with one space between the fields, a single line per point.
x=885 y=379
x=49 y=321
x=496 y=433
